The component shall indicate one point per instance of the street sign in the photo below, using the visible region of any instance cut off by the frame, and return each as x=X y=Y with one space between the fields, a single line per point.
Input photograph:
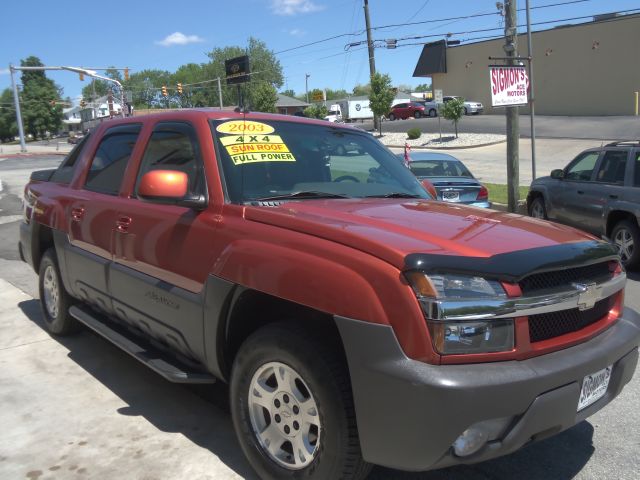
x=318 y=96
x=509 y=85
x=237 y=70
x=437 y=95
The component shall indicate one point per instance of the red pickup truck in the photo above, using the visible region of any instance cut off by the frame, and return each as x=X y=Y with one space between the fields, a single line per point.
x=357 y=320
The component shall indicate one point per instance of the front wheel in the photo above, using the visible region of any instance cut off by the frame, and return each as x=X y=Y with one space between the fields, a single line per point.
x=392 y=117
x=626 y=237
x=433 y=113
x=417 y=114
x=537 y=208
x=292 y=407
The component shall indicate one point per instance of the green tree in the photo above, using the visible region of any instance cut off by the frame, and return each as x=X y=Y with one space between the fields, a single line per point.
x=265 y=98
x=423 y=87
x=289 y=93
x=361 y=90
x=8 y=125
x=381 y=96
x=265 y=68
x=453 y=110
x=316 y=110
x=40 y=99
x=145 y=88
x=97 y=88
x=336 y=94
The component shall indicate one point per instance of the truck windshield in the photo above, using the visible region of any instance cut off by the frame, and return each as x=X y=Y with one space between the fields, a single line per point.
x=267 y=160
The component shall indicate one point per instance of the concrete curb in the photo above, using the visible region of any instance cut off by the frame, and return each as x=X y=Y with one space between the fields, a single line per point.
x=503 y=207
x=14 y=155
x=420 y=147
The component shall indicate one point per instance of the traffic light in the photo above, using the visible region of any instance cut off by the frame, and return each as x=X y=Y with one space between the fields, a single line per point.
x=180 y=89
x=81 y=76
x=164 y=91
x=126 y=74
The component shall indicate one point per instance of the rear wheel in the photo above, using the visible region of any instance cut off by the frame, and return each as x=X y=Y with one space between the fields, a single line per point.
x=465 y=111
x=292 y=407
x=433 y=112
x=54 y=299
x=417 y=114
x=626 y=237
x=537 y=208
x=392 y=117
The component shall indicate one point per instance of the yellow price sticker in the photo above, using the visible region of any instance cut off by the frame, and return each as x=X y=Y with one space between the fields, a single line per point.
x=244 y=126
x=245 y=158
x=242 y=139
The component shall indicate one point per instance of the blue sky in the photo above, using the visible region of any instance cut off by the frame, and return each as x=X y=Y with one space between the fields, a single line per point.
x=145 y=34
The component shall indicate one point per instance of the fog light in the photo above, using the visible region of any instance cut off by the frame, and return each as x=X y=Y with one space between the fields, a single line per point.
x=477 y=435
x=471 y=440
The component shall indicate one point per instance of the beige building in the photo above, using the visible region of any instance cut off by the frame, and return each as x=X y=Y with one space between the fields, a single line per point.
x=586 y=69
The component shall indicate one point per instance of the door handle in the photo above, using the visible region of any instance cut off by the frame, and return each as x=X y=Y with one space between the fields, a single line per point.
x=77 y=214
x=580 y=192
x=123 y=223
x=613 y=197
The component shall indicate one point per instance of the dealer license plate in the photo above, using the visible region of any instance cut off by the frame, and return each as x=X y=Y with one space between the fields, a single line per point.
x=451 y=196
x=594 y=387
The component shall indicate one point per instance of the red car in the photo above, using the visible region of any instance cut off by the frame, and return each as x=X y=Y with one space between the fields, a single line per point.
x=406 y=110
x=356 y=320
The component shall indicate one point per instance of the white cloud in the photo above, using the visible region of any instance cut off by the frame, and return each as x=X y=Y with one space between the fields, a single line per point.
x=296 y=32
x=178 y=38
x=294 y=7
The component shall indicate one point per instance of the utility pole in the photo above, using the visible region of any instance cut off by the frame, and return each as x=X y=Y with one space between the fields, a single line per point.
x=306 y=85
x=16 y=101
x=532 y=111
x=220 y=93
x=372 y=60
x=513 y=125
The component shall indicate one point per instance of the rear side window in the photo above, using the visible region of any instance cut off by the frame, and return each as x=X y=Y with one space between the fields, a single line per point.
x=174 y=146
x=612 y=167
x=582 y=167
x=636 y=169
x=65 y=171
x=111 y=158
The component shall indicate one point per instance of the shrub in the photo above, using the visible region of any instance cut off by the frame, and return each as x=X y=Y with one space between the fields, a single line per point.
x=414 y=133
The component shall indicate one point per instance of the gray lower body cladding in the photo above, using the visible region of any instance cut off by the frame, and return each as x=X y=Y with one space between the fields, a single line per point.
x=409 y=413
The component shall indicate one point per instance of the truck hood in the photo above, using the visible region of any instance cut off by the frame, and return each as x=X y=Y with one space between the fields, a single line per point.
x=391 y=229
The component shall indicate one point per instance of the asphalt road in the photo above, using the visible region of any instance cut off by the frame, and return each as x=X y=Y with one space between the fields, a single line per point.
x=78 y=405
x=594 y=128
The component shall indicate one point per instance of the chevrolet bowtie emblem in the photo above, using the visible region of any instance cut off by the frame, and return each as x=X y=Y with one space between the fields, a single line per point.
x=589 y=295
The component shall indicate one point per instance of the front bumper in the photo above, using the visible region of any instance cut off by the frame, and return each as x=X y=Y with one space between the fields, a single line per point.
x=409 y=413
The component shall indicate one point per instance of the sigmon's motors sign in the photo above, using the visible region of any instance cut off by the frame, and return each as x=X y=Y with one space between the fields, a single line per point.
x=509 y=85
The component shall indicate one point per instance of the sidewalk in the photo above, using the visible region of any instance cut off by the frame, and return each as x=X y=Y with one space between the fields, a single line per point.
x=54 y=147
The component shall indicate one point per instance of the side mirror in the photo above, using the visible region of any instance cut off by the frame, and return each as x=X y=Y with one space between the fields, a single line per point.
x=557 y=174
x=163 y=185
x=428 y=186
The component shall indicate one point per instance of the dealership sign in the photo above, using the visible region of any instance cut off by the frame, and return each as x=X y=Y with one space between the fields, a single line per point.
x=509 y=85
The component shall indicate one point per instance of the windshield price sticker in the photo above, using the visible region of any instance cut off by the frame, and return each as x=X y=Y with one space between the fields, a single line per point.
x=243 y=158
x=254 y=139
x=244 y=126
x=256 y=148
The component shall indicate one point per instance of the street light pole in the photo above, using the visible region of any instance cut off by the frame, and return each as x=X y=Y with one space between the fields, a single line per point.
x=532 y=113
x=306 y=85
x=16 y=101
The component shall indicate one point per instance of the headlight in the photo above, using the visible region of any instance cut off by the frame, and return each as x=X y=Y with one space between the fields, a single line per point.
x=468 y=335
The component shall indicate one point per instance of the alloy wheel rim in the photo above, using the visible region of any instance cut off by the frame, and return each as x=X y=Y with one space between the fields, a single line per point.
x=537 y=211
x=284 y=415
x=51 y=291
x=624 y=242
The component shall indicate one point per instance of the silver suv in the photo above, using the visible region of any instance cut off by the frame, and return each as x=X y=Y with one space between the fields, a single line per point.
x=599 y=191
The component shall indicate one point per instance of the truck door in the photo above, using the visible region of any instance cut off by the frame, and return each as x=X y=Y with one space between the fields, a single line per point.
x=91 y=215
x=162 y=252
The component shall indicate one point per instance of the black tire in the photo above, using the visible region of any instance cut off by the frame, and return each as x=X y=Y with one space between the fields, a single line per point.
x=433 y=113
x=392 y=117
x=322 y=368
x=629 y=253
x=537 y=208
x=417 y=114
x=54 y=299
x=465 y=111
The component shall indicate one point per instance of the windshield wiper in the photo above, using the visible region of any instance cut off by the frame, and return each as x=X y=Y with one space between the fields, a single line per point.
x=394 y=195
x=300 y=195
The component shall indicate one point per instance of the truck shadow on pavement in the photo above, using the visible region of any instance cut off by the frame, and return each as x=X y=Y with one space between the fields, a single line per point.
x=201 y=414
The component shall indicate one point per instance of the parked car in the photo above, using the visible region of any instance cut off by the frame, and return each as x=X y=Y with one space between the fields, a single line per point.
x=598 y=191
x=407 y=110
x=75 y=139
x=356 y=320
x=470 y=107
x=451 y=179
x=430 y=108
